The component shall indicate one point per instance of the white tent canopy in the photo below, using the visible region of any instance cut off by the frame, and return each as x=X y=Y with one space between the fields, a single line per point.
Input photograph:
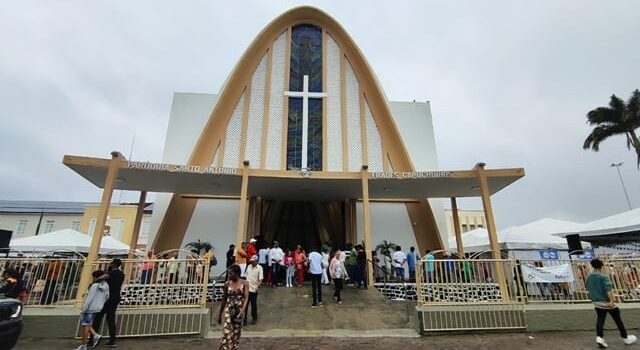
x=66 y=239
x=627 y=221
x=533 y=236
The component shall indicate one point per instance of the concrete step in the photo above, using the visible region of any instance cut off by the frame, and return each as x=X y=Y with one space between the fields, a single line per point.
x=365 y=311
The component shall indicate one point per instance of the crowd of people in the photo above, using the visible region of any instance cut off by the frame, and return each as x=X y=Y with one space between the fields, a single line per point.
x=256 y=263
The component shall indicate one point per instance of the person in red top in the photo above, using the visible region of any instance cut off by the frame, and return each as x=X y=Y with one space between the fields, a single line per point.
x=252 y=248
x=300 y=259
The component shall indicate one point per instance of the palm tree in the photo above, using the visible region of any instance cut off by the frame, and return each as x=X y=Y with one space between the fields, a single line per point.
x=199 y=246
x=618 y=118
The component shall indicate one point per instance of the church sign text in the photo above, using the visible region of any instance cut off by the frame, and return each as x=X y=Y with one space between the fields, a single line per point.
x=189 y=169
x=411 y=175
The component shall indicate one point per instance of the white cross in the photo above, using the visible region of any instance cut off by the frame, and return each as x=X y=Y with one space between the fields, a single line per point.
x=306 y=95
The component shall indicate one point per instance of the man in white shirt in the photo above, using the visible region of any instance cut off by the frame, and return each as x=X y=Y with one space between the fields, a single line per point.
x=263 y=257
x=276 y=259
x=398 y=260
x=315 y=270
x=254 y=276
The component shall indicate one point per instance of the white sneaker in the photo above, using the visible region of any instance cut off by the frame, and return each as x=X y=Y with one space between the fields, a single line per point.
x=630 y=339
x=601 y=343
x=81 y=347
x=96 y=340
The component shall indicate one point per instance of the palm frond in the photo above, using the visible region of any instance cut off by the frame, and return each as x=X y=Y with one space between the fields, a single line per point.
x=617 y=104
x=603 y=115
x=600 y=134
x=632 y=115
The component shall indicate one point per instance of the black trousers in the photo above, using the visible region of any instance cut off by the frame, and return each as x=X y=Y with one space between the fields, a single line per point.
x=615 y=314
x=108 y=309
x=275 y=274
x=253 y=301
x=49 y=293
x=316 y=288
x=339 y=283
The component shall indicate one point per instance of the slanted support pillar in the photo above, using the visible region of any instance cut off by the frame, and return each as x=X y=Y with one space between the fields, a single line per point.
x=368 y=247
x=456 y=225
x=133 y=242
x=491 y=228
x=94 y=249
x=242 y=211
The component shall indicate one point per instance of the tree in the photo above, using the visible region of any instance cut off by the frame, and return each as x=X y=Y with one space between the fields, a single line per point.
x=199 y=246
x=619 y=118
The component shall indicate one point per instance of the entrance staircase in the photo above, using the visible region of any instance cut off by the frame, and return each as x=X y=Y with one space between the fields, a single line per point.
x=287 y=312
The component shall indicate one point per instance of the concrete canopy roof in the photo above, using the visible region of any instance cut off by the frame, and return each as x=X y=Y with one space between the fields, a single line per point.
x=291 y=185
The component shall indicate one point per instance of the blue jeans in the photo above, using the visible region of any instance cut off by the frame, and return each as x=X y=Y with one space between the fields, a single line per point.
x=146 y=276
x=399 y=272
x=291 y=269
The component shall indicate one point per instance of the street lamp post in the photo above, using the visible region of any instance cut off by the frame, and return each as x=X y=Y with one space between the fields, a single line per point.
x=617 y=166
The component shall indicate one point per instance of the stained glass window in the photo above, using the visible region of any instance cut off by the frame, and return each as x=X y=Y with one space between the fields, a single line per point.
x=306 y=57
x=294 y=135
x=314 y=152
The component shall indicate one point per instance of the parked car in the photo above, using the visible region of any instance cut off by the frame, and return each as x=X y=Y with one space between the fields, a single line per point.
x=10 y=322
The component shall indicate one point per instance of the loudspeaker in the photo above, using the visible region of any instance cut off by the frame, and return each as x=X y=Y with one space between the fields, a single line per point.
x=573 y=241
x=5 y=238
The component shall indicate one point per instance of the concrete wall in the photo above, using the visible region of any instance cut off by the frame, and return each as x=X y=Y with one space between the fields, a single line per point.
x=415 y=123
x=213 y=221
x=580 y=317
x=121 y=219
x=10 y=222
x=469 y=220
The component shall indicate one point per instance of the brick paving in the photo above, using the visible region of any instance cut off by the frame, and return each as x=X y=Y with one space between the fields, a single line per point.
x=501 y=341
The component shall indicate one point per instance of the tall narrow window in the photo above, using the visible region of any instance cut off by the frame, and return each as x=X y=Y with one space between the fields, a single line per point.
x=21 y=227
x=92 y=226
x=48 y=226
x=305 y=99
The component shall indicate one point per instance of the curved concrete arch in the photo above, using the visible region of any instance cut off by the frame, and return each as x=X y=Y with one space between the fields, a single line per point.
x=178 y=215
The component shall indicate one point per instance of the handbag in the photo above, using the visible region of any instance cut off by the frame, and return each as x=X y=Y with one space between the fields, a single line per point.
x=235 y=313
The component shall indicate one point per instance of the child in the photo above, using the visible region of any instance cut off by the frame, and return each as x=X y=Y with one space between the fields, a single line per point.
x=97 y=296
x=288 y=262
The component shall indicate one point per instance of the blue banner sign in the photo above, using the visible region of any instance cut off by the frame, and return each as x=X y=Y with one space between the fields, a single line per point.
x=549 y=254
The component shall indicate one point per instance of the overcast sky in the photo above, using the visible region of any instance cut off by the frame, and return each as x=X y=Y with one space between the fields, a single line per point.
x=509 y=82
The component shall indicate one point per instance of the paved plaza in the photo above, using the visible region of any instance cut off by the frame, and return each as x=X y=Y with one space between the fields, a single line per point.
x=503 y=341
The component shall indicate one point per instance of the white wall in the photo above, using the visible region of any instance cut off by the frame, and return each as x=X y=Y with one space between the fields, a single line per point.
x=189 y=114
x=389 y=221
x=416 y=127
x=213 y=221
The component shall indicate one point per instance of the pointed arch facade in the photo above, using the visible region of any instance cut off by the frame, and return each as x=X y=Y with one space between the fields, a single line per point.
x=251 y=120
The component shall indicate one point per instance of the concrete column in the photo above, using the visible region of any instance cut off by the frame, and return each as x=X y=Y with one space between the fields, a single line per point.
x=242 y=212
x=491 y=228
x=94 y=249
x=456 y=226
x=133 y=242
x=368 y=247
